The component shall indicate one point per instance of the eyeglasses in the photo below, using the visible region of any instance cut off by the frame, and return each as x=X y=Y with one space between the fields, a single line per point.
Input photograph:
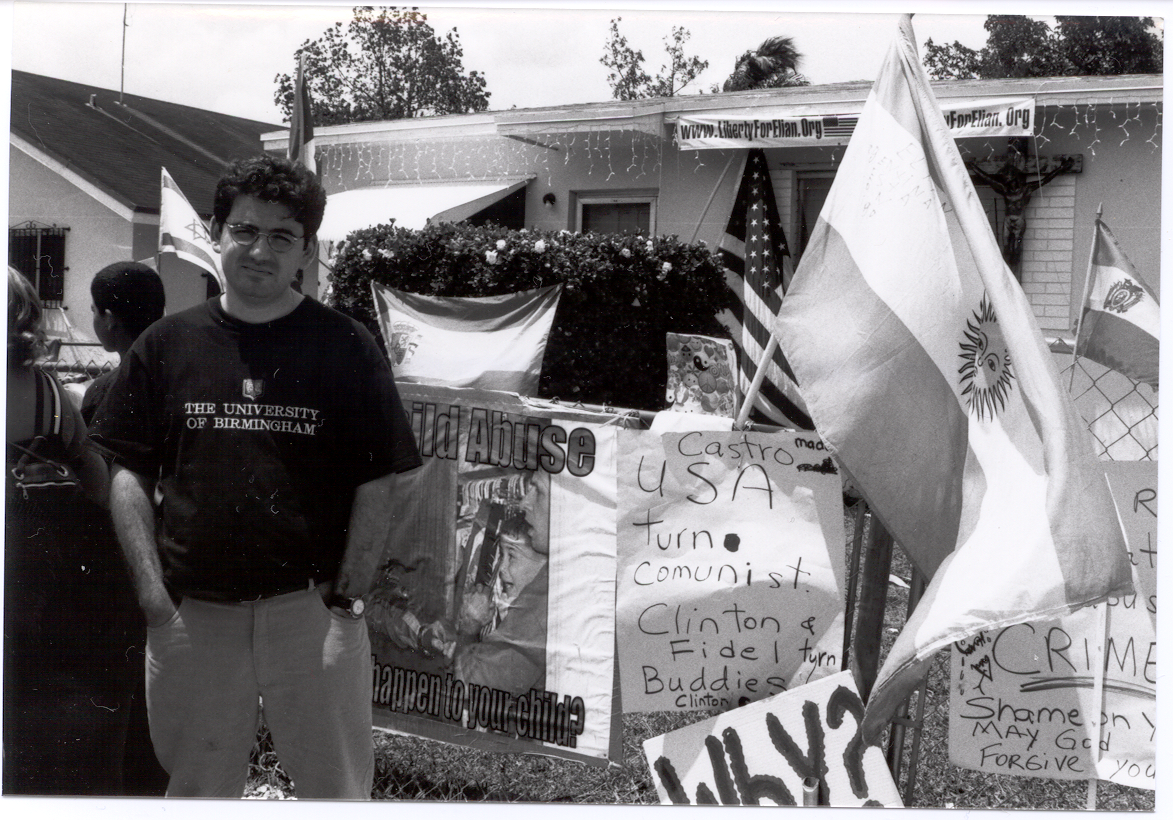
x=245 y=235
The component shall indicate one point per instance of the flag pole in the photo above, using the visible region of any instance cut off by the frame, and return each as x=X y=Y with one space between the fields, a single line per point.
x=1087 y=285
x=758 y=376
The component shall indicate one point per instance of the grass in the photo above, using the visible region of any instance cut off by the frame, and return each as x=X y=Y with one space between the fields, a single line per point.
x=408 y=768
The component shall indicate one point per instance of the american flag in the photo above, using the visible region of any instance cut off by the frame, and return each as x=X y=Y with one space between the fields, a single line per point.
x=752 y=251
x=301 y=123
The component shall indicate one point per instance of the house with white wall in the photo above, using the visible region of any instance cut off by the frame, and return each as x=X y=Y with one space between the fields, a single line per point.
x=672 y=166
x=641 y=166
x=84 y=185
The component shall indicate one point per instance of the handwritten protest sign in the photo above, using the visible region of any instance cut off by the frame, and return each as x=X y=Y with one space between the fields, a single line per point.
x=730 y=577
x=1071 y=698
x=764 y=751
x=492 y=613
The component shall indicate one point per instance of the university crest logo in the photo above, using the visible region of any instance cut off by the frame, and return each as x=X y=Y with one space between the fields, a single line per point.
x=986 y=376
x=252 y=388
x=1123 y=295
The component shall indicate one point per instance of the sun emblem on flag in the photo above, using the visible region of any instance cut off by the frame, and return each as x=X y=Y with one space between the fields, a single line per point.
x=986 y=374
x=1123 y=295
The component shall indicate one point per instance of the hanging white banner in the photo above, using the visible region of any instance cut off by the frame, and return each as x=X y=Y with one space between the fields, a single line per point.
x=795 y=126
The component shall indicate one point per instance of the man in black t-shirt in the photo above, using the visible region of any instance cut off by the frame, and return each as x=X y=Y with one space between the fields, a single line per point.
x=128 y=297
x=267 y=424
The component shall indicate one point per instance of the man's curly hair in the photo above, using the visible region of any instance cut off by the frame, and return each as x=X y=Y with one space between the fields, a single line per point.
x=26 y=334
x=273 y=179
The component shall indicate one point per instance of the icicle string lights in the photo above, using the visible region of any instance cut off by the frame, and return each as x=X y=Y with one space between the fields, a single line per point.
x=609 y=155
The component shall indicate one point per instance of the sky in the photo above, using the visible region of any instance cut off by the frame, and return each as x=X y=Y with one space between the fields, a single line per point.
x=225 y=57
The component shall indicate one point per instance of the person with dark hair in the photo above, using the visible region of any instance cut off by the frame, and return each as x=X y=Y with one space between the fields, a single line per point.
x=127 y=298
x=268 y=425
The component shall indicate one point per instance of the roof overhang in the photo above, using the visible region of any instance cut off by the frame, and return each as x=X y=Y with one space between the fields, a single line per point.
x=537 y=126
x=654 y=117
x=411 y=206
x=452 y=126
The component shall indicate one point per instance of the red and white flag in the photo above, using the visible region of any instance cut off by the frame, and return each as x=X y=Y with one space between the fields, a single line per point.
x=926 y=373
x=182 y=234
x=301 y=122
x=1121 y=323
x=491 y=342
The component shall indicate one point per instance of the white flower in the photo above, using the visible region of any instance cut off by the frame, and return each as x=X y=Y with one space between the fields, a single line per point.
x=491 y=257
x=366 y=255
x=386 y=254
x=540 y=246
x=625 y=253
x=667 y=266
x=650 y=246
x=500 y=244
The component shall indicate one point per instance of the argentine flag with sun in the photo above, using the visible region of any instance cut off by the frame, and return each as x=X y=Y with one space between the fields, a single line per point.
x=924 y=370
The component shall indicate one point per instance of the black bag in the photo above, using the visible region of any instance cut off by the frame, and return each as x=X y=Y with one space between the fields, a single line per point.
x=43 y=466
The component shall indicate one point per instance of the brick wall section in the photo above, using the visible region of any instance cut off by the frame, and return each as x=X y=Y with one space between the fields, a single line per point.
x=1048 y=269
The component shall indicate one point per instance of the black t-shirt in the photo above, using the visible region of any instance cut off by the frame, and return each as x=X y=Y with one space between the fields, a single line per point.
x=259 y=435
x=95 y=392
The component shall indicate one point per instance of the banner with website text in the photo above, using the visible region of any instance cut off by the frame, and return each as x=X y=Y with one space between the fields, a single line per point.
x=492 y=612
x=1073 y=698
x=730 y=567
x=796 y=125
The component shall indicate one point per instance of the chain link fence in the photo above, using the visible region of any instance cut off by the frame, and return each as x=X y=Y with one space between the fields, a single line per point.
x=1120 y=414
x=77 y=361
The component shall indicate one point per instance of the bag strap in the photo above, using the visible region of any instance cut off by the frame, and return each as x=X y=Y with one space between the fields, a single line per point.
x=49 y=406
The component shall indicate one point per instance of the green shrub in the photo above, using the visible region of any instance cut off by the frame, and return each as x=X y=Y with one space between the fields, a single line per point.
x=621 y=294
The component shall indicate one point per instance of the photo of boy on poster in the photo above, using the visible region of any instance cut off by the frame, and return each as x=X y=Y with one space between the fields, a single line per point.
x=476 y=609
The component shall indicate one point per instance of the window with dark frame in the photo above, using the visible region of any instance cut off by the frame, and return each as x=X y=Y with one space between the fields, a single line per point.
x=38 y=252
x=617 y=217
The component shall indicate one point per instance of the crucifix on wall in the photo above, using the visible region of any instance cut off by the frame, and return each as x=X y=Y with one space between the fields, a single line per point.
x=1015 y=178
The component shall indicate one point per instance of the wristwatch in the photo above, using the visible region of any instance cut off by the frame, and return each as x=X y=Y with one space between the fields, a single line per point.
x=352 y=606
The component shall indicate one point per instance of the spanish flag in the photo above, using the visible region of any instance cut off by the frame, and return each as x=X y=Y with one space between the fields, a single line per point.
x=490 y=342
x=926 y=373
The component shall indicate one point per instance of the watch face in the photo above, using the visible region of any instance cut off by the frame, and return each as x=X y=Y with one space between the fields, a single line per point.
x=357 y=607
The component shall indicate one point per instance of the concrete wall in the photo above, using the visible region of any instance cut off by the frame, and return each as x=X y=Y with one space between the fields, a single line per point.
x=97 y=235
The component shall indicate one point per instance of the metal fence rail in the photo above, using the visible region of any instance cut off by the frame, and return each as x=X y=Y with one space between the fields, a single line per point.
x=76 y=361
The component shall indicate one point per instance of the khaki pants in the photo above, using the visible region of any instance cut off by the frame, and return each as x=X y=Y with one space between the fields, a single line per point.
x=311 y=670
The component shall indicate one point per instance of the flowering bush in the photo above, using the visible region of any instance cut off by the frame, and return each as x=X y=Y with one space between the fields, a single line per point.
x=621 y=294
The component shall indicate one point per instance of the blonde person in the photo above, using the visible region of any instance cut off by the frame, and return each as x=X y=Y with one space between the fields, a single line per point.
x=64 y=709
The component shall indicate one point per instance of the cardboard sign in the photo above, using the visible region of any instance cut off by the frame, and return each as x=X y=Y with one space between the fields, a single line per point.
x=700 y=375
x=730 y=577
x=762 y=753
x=1073 y=698
x=492 y=613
